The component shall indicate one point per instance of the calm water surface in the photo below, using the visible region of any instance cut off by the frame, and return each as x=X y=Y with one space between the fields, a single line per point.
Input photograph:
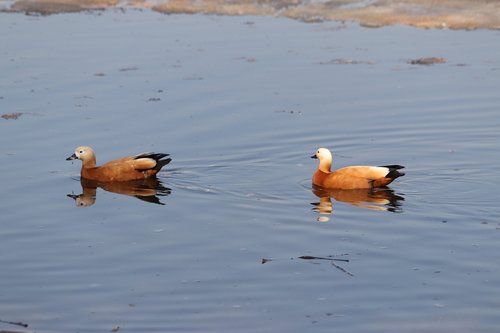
x=241 y=104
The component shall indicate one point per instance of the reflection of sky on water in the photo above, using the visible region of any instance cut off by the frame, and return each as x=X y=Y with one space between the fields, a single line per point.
x=240 y=175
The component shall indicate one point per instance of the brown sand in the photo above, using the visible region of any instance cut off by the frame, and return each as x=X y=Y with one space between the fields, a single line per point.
x=452 y=14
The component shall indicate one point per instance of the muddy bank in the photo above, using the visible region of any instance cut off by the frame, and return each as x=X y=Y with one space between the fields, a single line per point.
x=451 y=14
x=48 y=7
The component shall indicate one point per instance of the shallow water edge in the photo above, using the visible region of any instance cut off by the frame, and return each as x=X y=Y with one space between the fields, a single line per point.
x=449 y=14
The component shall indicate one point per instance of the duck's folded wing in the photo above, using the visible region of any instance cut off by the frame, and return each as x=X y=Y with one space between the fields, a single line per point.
x=366 y=172
x=143 y=163
x=145 y=160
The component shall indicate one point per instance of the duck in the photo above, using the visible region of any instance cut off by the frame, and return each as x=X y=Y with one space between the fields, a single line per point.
x=352 y=177
x=141 y=166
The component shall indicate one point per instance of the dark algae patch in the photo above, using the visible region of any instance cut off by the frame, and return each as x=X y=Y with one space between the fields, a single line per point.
x=427 y=61
x=13 y=115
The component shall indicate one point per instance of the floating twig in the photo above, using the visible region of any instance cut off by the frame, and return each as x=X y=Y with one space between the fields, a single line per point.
x=341 y=268
x=322 y=258
x=330 y=258
x=17 y=323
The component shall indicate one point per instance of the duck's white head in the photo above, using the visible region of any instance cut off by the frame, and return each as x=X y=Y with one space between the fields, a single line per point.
x=83 y=153
x=325 y=159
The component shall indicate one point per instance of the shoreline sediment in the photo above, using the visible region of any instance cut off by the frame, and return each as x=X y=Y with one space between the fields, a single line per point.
x=447 y=14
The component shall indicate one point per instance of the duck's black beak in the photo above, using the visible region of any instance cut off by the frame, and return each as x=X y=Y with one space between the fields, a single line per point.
x=72 y=196
x=72 y=157
x=314 y=156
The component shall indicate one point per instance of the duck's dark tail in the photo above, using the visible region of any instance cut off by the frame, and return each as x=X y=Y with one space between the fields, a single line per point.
x=393 y=171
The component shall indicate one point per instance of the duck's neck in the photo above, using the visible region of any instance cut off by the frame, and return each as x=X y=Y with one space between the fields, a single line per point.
x=325 y=165
x=89 y=163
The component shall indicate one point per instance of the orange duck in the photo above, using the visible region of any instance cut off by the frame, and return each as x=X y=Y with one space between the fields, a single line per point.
x=141 y=166
x=352 y=177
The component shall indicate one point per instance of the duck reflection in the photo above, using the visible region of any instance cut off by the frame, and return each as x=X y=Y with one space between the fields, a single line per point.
x=148 y=190
x=382 y=198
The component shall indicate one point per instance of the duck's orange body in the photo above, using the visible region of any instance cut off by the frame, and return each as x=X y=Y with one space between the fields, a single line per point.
x=141 y=166
x=352 y=177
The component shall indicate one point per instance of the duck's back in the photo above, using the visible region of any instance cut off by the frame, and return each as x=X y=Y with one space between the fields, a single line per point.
x=354 y=177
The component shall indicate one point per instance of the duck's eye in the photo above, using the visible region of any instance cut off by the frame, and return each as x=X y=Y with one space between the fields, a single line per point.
x=81 y=151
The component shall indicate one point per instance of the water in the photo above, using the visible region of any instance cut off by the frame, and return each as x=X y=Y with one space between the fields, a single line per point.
x=241 y=103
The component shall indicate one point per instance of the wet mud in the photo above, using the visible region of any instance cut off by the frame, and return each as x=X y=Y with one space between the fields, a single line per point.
x=427 y=61
x=48 y=7
x=450 y=14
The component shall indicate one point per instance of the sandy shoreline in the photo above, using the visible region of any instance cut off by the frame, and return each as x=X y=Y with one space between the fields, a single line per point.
x=449 y=14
